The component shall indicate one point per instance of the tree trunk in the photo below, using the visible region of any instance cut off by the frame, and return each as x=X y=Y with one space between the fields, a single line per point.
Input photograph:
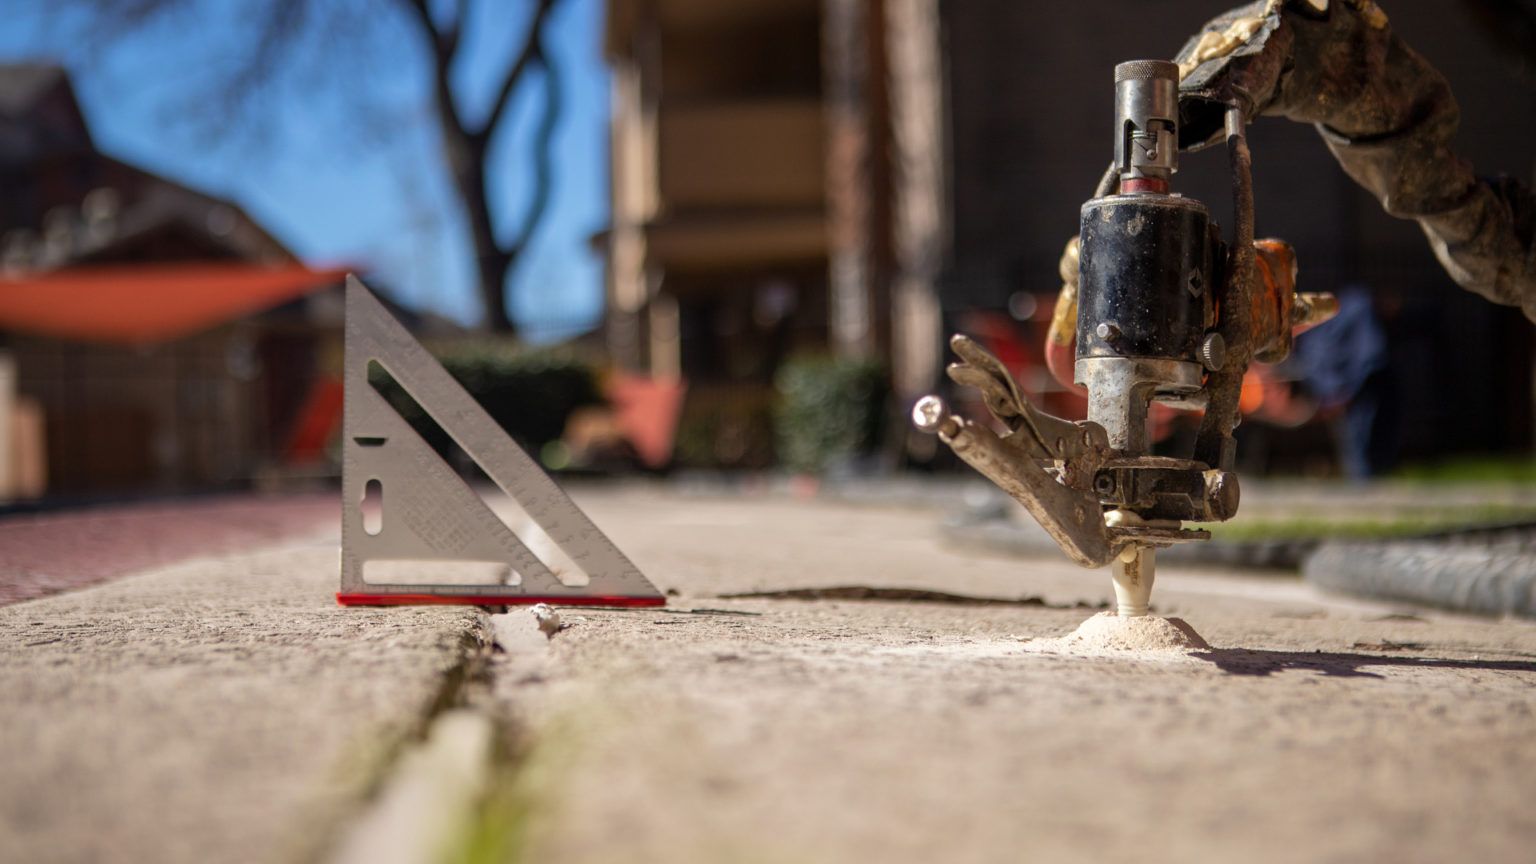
x=494 y=268
x=467 y=148
x=467 y=157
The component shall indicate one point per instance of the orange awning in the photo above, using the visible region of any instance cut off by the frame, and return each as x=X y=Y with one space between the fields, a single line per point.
x=139 y=303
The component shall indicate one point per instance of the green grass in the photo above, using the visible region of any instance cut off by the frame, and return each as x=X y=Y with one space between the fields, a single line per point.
x=524 y=784
x=498 y=832
x=1516 y=470
x=1373 y=527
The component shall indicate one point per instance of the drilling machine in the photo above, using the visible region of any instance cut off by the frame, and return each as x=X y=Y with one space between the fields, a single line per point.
x=1169 y=312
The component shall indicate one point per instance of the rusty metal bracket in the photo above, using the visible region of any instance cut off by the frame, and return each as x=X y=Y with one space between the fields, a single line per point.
x=1071 y=516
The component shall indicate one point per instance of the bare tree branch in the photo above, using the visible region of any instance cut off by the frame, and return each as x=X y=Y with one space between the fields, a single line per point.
x=467 y=151
x=276 y=36
x=443 y=50
x=443 y=38
x=544 y=153
x=456 y=29
x=109 y=20
x=525 y=58
x=288 y=47
x=442 y=56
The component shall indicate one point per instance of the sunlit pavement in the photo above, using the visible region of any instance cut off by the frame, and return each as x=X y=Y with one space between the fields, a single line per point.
x=224 y=708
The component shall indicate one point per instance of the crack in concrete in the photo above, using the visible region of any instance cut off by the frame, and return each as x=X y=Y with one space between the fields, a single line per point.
x=468 y=675
x=459 y=789
x=903 y=595
x=471 y=671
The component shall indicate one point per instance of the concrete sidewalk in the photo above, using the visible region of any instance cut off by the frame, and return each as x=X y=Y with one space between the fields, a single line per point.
x=216 y=710
x=766 y=730
x=226 y=710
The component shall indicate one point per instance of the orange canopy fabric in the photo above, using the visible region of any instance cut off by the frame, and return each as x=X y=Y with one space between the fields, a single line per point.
x=140 y=303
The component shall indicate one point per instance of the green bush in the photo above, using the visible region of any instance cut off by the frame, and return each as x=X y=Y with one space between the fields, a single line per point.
x=531 y=393
x=829 y=411
x=726 y=426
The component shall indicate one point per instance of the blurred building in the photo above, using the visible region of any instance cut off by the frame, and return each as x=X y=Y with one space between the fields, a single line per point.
x=756 y=212
x=159 y=338
x=860 y=176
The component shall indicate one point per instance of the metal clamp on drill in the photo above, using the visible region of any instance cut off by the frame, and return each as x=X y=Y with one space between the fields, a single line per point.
x=1167 y=312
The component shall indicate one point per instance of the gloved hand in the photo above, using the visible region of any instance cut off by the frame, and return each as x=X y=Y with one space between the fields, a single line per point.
x=1386 y=114
x=1312 y=61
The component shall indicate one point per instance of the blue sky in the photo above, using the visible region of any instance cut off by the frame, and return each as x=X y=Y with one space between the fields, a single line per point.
x=379 y=199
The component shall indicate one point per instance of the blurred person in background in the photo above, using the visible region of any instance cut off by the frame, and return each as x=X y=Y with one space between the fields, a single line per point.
x=1344 y=366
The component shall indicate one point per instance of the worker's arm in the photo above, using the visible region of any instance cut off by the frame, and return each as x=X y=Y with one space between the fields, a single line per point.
x=1386 y=114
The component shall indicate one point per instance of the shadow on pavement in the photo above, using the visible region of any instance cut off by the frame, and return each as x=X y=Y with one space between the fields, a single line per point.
x=1242 y=661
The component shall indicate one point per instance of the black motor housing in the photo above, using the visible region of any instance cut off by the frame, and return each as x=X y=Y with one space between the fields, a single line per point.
x=1148 y=272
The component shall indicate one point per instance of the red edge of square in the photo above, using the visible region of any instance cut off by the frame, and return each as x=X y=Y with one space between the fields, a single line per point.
x=354 y=599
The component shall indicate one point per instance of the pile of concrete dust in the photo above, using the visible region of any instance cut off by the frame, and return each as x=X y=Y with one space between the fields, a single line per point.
x=1107 y=634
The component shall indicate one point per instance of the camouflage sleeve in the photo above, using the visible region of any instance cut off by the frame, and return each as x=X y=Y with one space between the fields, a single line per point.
x=1388 y=117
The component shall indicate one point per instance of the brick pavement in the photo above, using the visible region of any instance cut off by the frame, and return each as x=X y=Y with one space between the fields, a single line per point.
x=48 y=553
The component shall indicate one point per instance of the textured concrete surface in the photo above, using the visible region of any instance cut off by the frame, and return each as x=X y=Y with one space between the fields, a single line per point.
x=788 y=730
x=226 y=710
x=216 y=710
x=704 y=546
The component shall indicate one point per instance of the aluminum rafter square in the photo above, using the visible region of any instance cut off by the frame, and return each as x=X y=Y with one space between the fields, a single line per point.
x=429 y=521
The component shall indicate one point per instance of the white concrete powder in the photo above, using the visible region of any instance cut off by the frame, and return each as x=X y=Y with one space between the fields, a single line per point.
x=1108 y=634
